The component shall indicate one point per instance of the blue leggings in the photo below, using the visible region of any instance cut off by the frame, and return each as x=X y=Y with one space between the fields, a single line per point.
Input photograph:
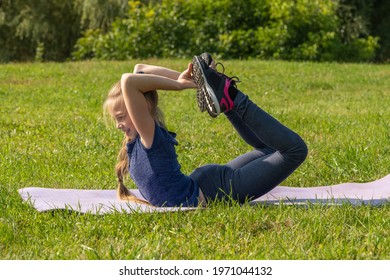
x=278 y=151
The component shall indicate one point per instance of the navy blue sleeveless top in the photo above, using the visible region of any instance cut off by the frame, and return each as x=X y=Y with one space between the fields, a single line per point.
x=156 y=171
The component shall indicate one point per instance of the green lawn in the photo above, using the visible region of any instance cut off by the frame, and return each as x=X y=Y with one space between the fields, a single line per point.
x=52 y=135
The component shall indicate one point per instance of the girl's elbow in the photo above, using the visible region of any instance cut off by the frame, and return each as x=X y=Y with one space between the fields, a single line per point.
x=126 y=78
x=127 y=81
x=139 y=68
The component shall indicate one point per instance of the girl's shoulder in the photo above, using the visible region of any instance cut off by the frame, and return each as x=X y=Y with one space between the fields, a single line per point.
x=165 y=134
x=162 y=138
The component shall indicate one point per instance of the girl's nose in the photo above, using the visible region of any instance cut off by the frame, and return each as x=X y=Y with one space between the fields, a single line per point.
x=119 y=126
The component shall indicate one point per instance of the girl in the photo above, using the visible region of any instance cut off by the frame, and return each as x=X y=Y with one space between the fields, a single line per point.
x=148 y=151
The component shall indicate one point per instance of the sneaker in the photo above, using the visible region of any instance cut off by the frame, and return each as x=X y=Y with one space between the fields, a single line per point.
x=211 y=62
x=216 y=90
x=208 y=59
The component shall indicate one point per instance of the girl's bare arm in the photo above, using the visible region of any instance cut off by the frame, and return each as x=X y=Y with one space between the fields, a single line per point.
x=133 y=88
x=153 y=81
x=156 y=70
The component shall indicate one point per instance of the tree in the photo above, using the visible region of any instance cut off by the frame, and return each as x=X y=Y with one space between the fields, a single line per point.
x=48 y=30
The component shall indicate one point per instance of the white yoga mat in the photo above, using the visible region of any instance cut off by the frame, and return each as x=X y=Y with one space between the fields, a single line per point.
x=105 y=201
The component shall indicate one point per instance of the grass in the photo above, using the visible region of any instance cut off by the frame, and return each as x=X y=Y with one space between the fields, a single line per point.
x=52 y=135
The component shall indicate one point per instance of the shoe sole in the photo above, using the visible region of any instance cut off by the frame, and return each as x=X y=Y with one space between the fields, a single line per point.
x=203 y=103
x=201 y=100
x=206 y=93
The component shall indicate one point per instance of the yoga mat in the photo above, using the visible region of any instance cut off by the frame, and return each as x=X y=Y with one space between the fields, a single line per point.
x=105 y=201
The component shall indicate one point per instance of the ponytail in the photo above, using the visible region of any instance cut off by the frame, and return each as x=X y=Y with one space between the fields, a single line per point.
x=121 y=169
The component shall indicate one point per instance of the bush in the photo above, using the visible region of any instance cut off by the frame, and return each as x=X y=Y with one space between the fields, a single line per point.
x=318 y=30
x=280 y=29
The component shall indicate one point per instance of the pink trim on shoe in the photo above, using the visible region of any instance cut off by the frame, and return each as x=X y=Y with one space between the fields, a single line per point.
x=226 y=100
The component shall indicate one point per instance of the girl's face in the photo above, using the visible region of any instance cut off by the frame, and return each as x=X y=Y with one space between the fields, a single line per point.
x=123 y=121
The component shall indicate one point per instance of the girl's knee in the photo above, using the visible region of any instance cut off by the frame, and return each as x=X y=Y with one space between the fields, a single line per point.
x=301 y=151
x=298 y=151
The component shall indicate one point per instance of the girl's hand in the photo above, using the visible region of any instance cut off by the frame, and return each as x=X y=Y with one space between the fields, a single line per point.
x=185 y=78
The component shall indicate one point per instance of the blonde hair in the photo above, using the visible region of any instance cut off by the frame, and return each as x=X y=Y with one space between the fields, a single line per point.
x=114 y=99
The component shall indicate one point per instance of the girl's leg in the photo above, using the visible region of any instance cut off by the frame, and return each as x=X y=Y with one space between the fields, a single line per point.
x=260 y=149
x=246 y=158
x=262 y=174
x=245 y=132
x=255 y=173
x=279 y=150
x=266 y=129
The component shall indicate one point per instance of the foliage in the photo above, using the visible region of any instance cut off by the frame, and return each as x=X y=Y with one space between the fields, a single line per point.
x=44 y=25
x=318 y=30
x=281 y=29
x=380 y=25
x=48 y=30
x=12 y=46
x=99 y=14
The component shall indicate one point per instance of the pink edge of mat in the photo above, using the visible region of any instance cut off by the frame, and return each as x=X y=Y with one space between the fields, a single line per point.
x=105 y=201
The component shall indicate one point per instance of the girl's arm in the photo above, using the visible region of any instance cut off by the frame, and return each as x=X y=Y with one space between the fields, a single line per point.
x=145 y=83
x=134 y=86
x=156 y=70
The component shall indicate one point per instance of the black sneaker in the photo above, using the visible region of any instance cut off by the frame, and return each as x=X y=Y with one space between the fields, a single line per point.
x=211 y=62
x=200 y=95
x=207 y=58
x=217 y=91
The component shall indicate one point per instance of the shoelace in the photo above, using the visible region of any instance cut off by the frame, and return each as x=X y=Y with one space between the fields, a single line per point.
x=234 y=78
